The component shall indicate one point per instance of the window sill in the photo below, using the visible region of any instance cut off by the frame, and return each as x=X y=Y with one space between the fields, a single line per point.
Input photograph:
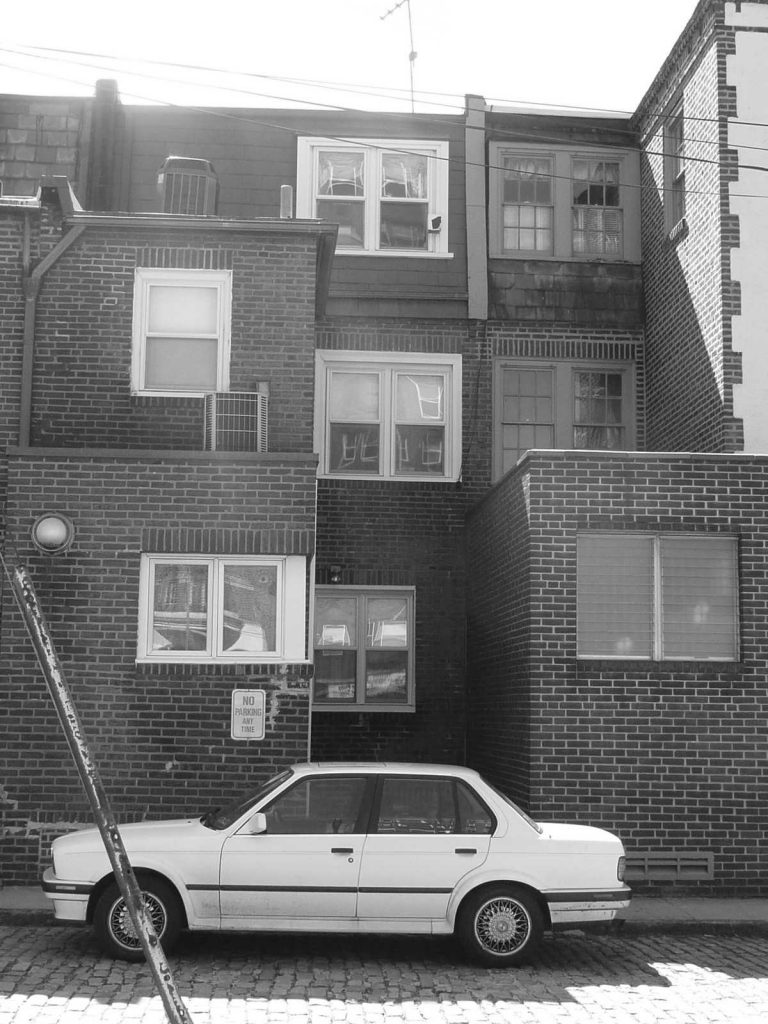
x=255 y=659
x=399 y=254
x=534 y=257
x=410 y=479
x=678 y=232
x=364 y=709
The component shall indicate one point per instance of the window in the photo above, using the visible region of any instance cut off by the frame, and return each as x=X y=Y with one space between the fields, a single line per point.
x=564 y=204
x=674 y=169
x=388 y=416
x=527 y=203
x=657 y=596
x=318 y=807
x=181 y=321
x=222 y=609
x=561 y=405
x=439 y=806
x=364 y=648
x=597 y=218
x=387 y=196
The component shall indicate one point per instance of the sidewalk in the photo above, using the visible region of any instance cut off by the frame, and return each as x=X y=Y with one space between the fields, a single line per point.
x=650 y=913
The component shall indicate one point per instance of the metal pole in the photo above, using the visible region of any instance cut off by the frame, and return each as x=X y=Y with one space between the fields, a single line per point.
x=39 y=634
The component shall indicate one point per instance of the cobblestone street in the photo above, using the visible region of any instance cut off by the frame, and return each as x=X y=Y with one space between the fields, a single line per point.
x=54 y=974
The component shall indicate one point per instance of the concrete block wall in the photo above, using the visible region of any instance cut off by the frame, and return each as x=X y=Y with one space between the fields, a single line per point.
x=42 y=135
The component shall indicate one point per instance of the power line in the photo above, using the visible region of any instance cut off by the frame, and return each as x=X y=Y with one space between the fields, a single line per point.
x=515 y=135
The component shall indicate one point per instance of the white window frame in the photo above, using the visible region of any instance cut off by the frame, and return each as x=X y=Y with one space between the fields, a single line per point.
x=674 y=167
x=290 y=632
x=387 y=364
x=308 y=150
x=563 y=422
x=360 y=703
x=147 y=278
x=562 y=185
x=655 y=584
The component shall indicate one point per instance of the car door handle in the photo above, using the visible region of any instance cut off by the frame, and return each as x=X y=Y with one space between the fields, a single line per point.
x=465 y=849
x=342 y=849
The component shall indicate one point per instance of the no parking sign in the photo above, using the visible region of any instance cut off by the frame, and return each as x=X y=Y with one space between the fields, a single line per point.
x=248 y=708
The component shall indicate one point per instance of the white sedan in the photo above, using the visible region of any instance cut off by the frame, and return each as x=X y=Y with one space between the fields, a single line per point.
x=345 y=847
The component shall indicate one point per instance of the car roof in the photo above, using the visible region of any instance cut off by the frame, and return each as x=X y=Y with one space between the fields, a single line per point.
x=383 y=767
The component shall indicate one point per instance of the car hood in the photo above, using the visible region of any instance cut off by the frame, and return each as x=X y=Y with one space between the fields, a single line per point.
x=144 y=835
x=584 y=836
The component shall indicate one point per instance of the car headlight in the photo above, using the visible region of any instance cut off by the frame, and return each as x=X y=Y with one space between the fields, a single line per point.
x=621 y=867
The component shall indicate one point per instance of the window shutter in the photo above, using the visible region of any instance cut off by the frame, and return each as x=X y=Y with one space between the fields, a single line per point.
x=699 y=597
x=615 y=596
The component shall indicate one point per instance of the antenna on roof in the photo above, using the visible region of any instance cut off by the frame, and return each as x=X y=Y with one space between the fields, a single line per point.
x=412 y=55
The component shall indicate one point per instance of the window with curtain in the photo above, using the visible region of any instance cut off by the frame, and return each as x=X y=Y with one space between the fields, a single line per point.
x=657 y=596
x=181 y=326
x=218 y=608
x=386 y=195
x=364 y=648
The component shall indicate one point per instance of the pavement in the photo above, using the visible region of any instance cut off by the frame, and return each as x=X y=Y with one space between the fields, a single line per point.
x=657 y=912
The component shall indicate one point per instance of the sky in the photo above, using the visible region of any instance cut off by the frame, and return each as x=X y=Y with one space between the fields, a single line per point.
x=596 y=54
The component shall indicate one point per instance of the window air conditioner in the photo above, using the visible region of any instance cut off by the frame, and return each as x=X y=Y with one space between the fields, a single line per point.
x=236 y=421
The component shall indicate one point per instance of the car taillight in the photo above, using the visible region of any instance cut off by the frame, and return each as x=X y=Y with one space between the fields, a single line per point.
x=621 y=868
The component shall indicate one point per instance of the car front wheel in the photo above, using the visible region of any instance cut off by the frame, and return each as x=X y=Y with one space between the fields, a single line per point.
x=500 y=926
x=114 y=928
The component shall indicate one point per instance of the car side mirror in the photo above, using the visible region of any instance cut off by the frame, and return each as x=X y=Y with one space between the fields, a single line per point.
x=256 y=825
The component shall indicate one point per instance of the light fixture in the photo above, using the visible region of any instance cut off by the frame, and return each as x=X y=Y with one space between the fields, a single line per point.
x=335 y=573
x=52 y=533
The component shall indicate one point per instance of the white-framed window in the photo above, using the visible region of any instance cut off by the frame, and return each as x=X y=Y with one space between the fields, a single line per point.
x=181 y=331
x=364 y=648
x=663 y=596
x=388 y=196
x=674 y=168
x=561 y=405
x=564 y=203
x=222 y=608
x=387 y=415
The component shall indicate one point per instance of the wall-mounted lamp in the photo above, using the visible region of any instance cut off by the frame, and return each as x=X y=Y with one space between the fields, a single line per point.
x=335 y=573
x=52 y=533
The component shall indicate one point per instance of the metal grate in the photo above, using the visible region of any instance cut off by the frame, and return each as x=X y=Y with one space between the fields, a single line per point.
x=188 y=186
x=236 y=421
x=670 y=866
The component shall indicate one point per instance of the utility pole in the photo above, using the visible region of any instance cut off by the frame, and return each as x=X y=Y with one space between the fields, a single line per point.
x=40 y=636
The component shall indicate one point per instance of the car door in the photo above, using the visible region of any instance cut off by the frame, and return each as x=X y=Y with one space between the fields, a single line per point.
x=427 y=833
x=305 y=867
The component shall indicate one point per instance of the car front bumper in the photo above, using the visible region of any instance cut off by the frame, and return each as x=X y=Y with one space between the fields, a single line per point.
x=70 y=899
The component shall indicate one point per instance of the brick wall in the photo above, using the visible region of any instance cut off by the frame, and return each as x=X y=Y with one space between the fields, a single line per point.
x=689 y=296
x=668 y=754
x=82 y=372
x=160 y=734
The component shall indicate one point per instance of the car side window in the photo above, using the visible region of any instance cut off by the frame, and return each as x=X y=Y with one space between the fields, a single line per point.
x=474 y=816
x=317 y=806
x=411 y=805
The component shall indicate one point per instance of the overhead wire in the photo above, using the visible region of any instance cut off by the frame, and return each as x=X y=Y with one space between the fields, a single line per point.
x=515 y=135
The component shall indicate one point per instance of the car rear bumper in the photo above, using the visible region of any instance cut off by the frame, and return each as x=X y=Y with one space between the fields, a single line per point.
x=573 y=907
x=70 y=899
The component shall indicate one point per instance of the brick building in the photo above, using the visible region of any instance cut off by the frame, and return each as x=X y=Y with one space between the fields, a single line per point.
x=500 y=497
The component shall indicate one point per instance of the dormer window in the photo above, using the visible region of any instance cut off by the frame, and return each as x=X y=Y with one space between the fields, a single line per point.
x=188 y=185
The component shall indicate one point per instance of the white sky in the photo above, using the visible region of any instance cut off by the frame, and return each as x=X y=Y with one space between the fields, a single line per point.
x=587 y=53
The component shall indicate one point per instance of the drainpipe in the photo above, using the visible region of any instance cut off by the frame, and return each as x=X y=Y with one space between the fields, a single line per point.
x=32 y=282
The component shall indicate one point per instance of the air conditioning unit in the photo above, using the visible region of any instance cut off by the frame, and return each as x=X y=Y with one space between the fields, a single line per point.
x=236 y=421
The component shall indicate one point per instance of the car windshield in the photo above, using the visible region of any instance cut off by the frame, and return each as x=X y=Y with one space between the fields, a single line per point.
x=223 y=817
x=520 y=811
